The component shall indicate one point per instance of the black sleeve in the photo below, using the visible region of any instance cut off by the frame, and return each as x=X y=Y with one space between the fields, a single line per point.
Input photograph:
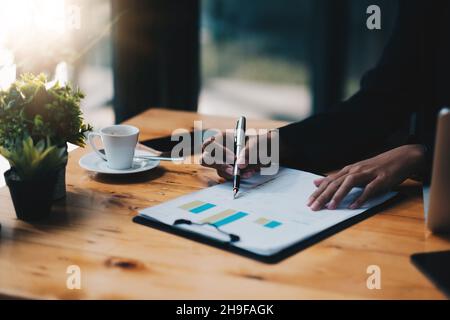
x=354 y=129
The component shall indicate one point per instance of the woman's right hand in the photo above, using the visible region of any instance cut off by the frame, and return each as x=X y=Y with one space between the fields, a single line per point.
x=246 y=161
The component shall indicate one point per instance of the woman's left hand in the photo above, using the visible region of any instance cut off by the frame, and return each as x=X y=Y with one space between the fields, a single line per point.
x=375 y=175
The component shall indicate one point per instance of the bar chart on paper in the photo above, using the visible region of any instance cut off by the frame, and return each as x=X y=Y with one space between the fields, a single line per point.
x=224 y=217
x=270 y=214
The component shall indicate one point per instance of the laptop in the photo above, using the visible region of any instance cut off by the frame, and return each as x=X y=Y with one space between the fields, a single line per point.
x=436 y=198
x=437 y=195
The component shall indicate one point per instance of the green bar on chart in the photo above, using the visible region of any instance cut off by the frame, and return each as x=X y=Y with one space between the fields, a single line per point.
x=191 y=205
x=218 y=216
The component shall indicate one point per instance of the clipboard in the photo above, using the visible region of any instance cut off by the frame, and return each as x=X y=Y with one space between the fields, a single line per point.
x=269 y=259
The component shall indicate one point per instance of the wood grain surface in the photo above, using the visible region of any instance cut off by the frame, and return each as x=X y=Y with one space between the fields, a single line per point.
x=119 y=259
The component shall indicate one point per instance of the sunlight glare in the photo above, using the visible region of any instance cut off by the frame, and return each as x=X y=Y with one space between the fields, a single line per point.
x=31 y=21
x=7 y=69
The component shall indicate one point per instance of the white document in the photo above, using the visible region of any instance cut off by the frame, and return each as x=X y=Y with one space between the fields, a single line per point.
x=269 y=215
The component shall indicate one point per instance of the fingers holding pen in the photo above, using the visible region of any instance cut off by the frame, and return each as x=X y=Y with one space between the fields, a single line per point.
x=216 y=155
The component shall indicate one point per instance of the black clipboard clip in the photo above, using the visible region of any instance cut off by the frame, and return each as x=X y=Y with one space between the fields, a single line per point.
x=233 y=238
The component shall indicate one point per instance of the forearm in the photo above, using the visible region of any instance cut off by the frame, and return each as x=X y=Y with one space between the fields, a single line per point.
x=361 y=126
x=331 y=140
x=418 y=155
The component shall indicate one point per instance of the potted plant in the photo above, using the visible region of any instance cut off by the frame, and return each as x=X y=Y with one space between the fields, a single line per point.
x=33 y=176
x=42 y=110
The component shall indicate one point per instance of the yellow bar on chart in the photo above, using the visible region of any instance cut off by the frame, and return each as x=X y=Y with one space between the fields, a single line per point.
x=218 y=216
x=191 y=205
x=262 y=221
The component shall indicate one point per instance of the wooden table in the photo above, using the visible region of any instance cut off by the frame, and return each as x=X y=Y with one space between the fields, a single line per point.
x=119 y=259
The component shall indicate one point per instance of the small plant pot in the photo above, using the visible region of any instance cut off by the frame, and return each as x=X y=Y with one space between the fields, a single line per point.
x=32 y=199
x=60 y=184
x=60 y=188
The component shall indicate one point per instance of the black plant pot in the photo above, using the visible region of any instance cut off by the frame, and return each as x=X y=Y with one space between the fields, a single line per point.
x=60 y=188
x=60 y=184
x=32 y=199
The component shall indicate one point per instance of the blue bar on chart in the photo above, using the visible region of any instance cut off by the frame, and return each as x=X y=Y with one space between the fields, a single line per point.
x=230 y=219
x=202 y=208
x=272 y=224
x=218 y=216
x=197 y=206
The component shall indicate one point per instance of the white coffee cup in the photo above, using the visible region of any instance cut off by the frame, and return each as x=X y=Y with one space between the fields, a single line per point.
x=119 y=143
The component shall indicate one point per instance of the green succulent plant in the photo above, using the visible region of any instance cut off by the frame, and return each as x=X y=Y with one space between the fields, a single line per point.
x=37 y=119
x=31 y=160
x=34 y=107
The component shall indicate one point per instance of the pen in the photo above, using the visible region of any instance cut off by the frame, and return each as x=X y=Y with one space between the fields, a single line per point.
x=239 y=145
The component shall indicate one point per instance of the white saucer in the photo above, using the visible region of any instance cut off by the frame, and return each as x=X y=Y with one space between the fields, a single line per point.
x=92 y=162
